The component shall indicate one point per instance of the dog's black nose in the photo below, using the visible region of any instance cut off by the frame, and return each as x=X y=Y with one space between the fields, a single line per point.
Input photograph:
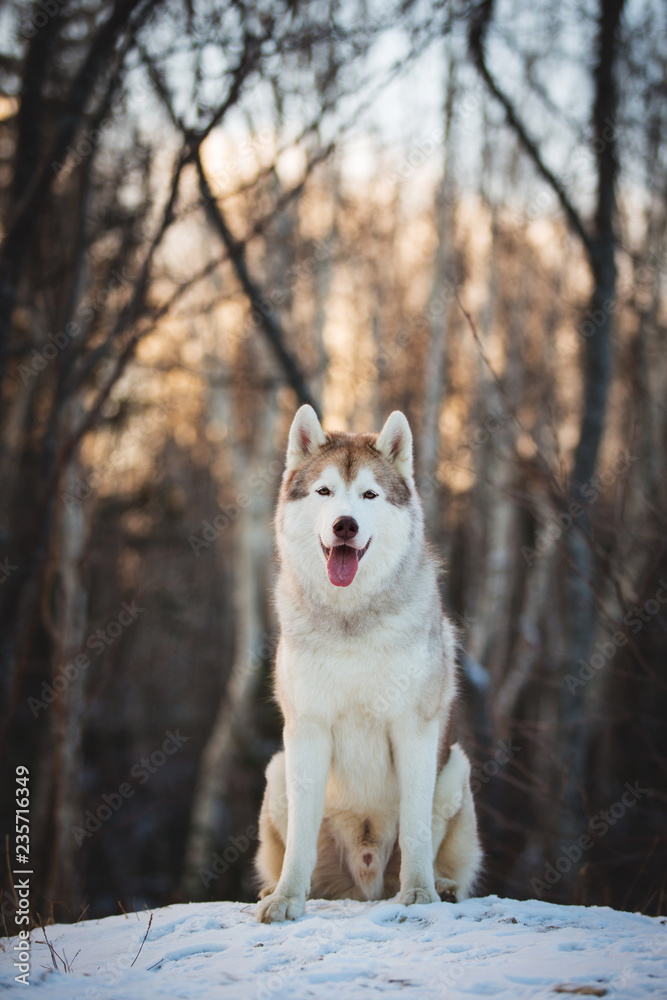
x=345 y=527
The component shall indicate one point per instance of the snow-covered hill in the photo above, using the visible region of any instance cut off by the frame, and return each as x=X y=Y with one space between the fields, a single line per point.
x=347 y=950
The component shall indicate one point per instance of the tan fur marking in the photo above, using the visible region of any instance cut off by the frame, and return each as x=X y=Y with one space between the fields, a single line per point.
x=349 y=452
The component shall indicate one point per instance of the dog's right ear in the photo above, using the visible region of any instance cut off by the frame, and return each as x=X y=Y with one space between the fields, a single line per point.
x=305 y=437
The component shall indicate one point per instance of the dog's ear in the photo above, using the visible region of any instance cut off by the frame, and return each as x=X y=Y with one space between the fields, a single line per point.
x=395 y=443
x=305 y=437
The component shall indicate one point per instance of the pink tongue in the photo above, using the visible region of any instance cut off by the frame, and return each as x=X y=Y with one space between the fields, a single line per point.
x=342 y=565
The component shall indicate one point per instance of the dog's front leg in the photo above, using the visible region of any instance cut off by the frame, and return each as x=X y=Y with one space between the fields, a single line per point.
x=307 y=766
x=415 y=749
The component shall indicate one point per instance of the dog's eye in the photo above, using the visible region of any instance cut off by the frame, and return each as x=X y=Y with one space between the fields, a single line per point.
x=324 y=491
x=369 y=495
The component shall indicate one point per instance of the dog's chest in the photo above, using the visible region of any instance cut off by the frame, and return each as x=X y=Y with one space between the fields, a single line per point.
x=362 y=767
x=337 y=678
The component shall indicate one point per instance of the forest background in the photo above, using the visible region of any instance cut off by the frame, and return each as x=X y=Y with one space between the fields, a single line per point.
x=212 y=213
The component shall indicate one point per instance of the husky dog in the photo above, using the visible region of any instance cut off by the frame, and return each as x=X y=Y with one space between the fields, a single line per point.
x=367 y=799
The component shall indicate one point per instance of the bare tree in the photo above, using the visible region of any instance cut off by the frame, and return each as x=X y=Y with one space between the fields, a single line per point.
x=597 y=236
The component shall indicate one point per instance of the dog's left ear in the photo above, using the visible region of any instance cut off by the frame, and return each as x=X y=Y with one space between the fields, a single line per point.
x=305 y=437
x=395 y=443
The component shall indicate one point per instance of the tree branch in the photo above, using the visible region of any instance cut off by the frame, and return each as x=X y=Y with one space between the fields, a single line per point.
x=236 y=249
x=602 y=252
x=26 y=209
x=270 y=324
x=127 y=319
x=480 y=20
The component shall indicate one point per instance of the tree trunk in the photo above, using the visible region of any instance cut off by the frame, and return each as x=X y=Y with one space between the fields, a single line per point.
x=253 y=546
x=434 y=372
x=63 y=886
x=571 y=738
x=597 y=376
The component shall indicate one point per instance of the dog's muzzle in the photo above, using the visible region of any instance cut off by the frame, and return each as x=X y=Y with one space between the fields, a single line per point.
x=342 y=559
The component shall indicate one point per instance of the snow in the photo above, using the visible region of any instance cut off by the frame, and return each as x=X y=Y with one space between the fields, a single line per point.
x=487 y=947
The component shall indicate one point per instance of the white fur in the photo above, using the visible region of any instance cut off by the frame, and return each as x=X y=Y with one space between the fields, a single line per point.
x=365 y=679
x=395 y=442
x=303 y=551
x=305 y=436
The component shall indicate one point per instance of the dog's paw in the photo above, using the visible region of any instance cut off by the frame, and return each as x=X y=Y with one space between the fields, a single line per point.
x=418 y=895
x=447 y=889
x=275 y=908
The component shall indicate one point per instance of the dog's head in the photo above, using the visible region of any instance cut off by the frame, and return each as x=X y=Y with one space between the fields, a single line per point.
x=349 y=509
